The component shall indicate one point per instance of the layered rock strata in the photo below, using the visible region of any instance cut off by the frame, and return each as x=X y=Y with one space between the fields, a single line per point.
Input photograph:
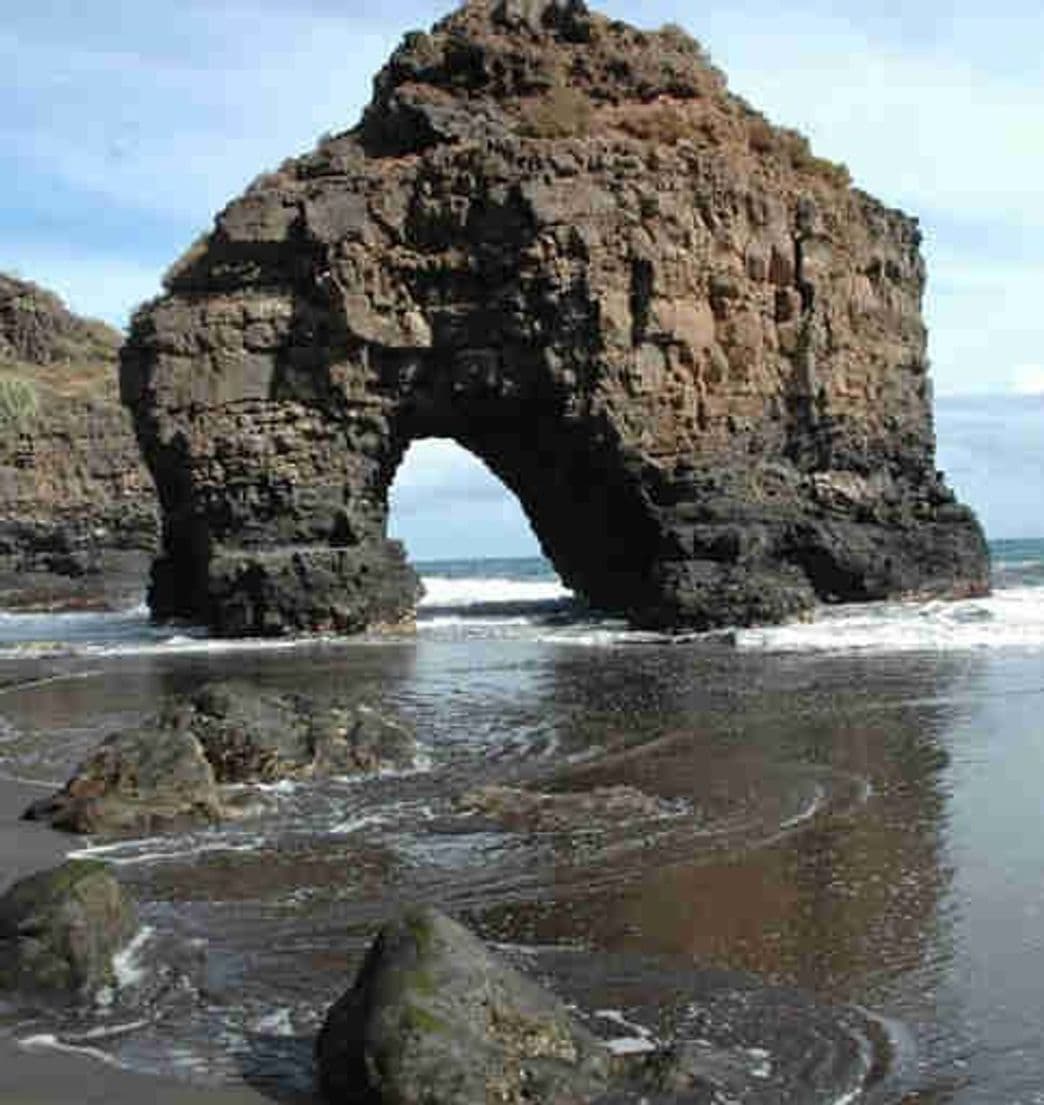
x=78 y=517
x=693 y=351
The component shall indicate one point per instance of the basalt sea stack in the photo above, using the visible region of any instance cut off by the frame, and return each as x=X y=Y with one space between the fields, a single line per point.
x=688 y=345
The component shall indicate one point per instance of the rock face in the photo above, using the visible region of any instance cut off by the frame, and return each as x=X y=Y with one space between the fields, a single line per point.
x=78 y=517
x=435 y=1018
x=60 y=929
x=693 y=351
x=170 y=771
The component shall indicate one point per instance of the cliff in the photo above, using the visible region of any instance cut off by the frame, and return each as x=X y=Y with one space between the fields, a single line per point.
x=78 y=518
x=688 y=345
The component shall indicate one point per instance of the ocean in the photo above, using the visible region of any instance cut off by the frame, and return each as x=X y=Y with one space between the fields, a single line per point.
x=847 y=817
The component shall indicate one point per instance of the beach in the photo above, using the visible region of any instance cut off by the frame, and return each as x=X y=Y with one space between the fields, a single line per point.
x=44 y=1075
x=842 y=815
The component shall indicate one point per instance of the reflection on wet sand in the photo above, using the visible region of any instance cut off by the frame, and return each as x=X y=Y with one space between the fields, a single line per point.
x=805 y=838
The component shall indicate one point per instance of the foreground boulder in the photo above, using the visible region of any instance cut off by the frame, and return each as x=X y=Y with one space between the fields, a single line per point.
x=435 y=1019
x=169 y=773
x=78 y=514
x=687 y=344
x=60 y=929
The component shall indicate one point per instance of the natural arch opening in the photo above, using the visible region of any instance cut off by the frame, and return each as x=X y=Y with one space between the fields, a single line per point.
x=445 y=504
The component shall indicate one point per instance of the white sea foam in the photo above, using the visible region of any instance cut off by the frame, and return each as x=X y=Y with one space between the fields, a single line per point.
x=610 y=634
x=808 y=811
x=454 y=621
x=641 y=1042
x=354 y=824
x=148 y=645
x=277 y=1023
x=47 y=1041
x=127 y=965
x=160 y=849
x=73 y=621
x=442 y=592
x=1013 y=617
x=763 y=1062
x=108 y=1031
x=630 y=1045
x=1008 y=619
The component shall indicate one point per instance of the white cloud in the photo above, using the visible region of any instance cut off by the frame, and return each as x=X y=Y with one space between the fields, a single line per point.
x=990 y=449
x=179 y=136
x=166 y=114
x=943 y=123
x=446 y=503
x=920 y=123
x=436 y=462
x=983 y=318
x=1028 y=379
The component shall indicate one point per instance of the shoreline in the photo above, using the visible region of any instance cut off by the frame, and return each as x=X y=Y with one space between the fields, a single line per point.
x=49 y=1076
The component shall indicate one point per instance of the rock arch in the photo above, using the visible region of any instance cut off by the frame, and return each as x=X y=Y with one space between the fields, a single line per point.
x=693 y=352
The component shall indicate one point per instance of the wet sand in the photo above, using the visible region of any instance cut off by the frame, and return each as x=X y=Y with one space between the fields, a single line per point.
x=858 y=829
x=48 y=1076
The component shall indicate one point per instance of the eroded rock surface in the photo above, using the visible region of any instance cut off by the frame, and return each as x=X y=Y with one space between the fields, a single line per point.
x=78 y=515
x=60 y=929
x=140 y=781
x=688 y=345
x=170 y=772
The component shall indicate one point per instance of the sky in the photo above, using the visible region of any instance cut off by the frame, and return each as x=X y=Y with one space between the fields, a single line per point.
x=127 y=126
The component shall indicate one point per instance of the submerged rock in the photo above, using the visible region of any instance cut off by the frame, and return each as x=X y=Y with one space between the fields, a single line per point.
x=60 y=929
x=169 y=772
x=517 y=808
x=143 y=780
x=434 y=1018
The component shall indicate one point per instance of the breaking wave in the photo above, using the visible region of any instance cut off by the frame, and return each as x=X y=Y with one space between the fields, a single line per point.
x=1008 y=619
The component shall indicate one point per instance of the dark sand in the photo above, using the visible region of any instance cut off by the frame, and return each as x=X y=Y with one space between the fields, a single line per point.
x=46 y=1075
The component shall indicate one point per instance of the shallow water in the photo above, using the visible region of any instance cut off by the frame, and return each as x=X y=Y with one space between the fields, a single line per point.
x=857 y=825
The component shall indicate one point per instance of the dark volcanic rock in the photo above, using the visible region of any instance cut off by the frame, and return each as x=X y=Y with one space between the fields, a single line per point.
x=78 y=517
x=139 y=781
x=434 y=1018
x=687 y=344
x=60 y=929
x=256 y=736
x=168 y=772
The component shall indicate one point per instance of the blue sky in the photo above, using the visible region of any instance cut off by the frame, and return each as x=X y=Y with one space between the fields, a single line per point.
x=127 y=125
